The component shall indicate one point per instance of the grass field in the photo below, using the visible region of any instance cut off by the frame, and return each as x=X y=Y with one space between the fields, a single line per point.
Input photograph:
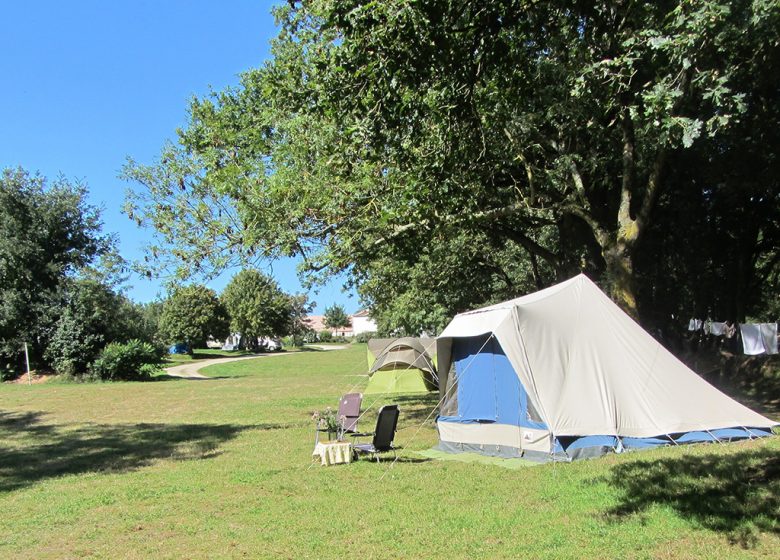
x=220 y=468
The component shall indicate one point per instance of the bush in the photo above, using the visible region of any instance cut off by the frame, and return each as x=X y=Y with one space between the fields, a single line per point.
x=364 y=336
x=130 y=361
x=293 y=340
x=326 y=336
x=309 y=337
x=72 y=346
x=7 y=372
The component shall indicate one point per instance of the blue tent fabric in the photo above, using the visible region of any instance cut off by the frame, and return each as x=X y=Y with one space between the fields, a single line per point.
x=178 y=348
x=489 y=391
x=488 y=387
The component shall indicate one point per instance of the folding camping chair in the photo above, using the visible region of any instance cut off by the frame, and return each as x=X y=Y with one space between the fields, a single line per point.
x=383 y=435
x=349 y=409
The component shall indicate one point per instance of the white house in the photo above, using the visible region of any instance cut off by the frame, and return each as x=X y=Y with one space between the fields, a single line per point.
x=362 y=322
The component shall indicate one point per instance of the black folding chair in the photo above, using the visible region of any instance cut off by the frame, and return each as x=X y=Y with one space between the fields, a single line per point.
x=383 y=435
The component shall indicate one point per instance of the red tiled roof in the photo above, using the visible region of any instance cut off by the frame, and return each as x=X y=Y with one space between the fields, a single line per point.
x=317 y=324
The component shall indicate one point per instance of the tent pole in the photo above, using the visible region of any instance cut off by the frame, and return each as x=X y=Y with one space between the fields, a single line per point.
x=751 y=435
x=716 y=438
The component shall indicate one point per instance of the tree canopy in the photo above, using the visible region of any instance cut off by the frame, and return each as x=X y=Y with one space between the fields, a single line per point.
x=448 y=154
x=91 y=316
x=191 y=315
x=335 y=317
x=257 y=306
x=48 y=233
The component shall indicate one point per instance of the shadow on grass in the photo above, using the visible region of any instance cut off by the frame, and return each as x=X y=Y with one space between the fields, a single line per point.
x=389 y=459
x=166 y=377
x=737 y=493
x=47 y=451
x=216 y=355
x=18 y=424
x=415 y=407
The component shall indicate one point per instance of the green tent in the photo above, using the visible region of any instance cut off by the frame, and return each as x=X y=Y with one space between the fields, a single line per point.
x=401 y=365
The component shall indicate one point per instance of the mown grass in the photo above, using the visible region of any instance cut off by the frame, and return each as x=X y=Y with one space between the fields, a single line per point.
x=220 y=468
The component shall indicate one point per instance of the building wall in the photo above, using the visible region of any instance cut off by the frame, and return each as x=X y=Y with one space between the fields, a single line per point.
x=363 y=324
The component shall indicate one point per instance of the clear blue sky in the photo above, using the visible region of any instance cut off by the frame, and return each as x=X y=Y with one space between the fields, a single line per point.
x=84 y=84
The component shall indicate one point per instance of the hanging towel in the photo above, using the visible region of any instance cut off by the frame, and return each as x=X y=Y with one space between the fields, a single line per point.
x=769 y=337
x=694 y=325
x=717 y=329
x=752 y=341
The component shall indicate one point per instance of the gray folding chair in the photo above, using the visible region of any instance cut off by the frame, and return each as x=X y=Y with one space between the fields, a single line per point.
x=349 y=410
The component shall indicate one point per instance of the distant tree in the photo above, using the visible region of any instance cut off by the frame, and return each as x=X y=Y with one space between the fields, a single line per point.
x=257 y=307
x=298 y=328
x=191 y=314
x=47 y=233
x=336 y=317
x=151 y=314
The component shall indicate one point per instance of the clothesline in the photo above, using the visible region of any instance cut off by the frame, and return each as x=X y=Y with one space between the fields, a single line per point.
x=757 y=338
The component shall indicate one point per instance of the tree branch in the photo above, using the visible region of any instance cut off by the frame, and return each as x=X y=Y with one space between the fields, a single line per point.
x=531 y=246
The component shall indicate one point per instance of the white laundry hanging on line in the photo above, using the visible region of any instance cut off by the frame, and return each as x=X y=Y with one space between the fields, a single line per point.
x=769 y=337
x=752 y=341
x=717 y=329
x=694 y=325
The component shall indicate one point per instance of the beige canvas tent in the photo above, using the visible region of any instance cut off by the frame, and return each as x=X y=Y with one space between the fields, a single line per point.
x=401 y=365
x=564 y=372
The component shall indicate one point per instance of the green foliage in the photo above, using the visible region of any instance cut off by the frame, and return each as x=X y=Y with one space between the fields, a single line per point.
x=325 y=336
x=7 y=372
x=149 y=324
x=47 y=233
x=257 y=306
x=517 y=146
x=300 y=307
x=129 y=361
x=336 y=317
x=364 y=337
x=92 y=315
x=191 y=314
x=73 y=346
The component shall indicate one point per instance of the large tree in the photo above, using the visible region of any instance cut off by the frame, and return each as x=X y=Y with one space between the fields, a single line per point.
x=192 y=314
x=257 y=307
x=48 y=232
x=537 y=137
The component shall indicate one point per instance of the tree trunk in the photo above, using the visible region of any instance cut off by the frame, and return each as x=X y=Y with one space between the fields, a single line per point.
x=620 y=272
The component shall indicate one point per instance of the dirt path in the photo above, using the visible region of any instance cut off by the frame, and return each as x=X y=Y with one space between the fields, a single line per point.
x=191 y=370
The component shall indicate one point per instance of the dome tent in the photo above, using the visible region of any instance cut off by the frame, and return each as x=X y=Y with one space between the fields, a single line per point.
x=565 y=373
x=401 y=365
